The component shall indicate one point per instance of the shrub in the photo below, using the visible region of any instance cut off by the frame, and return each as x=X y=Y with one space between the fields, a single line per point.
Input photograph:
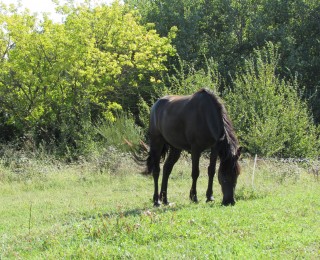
x=187 y=79
x=270 y=116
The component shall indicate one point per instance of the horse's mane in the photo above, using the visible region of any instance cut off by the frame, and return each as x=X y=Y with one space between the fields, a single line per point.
x=229 y=140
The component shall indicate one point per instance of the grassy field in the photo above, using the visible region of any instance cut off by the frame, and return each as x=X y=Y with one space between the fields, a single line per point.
x=99 y=211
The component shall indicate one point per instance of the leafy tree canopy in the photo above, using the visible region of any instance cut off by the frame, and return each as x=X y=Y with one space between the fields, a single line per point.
x=66 y=74
x=229 y=31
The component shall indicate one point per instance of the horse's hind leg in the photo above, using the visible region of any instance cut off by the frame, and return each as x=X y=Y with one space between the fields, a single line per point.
x=153 y=164
x=172 y=158
x=195 y=155
x=211 y=173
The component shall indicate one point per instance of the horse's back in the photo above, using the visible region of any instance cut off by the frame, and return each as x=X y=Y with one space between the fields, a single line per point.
x=187 y=121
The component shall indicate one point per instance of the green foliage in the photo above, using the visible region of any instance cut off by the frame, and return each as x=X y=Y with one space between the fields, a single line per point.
x=57 y=79
x=268 y=113
x=229 y=31
x=187 y=79
x=144 y=112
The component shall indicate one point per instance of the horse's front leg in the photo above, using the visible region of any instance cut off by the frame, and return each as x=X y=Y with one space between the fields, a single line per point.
x=195 y=155
x=211 y=173
x=173 y=157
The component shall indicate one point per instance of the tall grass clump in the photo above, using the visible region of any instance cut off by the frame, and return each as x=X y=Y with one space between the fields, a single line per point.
x=119 y=132
x=103 y=145
x=268 y=112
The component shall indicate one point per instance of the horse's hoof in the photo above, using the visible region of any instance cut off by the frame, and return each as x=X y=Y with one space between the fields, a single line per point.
x=228 y=202
x=166 y=203
x=210 y=199
x=163 y=199
x=157 y=204
x=194 y=198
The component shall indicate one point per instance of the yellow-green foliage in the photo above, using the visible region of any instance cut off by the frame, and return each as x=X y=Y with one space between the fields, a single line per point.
x=53 y=74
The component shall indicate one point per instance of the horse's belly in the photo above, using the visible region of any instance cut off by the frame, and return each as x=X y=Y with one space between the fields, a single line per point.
x=185 y=141
x=177 y=140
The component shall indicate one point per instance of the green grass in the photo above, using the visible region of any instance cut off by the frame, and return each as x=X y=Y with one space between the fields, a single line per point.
x=85 y=211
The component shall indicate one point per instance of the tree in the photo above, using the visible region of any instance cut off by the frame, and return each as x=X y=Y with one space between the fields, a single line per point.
x=56 y=79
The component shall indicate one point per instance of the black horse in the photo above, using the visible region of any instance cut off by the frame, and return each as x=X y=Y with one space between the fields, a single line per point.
x=193 y=123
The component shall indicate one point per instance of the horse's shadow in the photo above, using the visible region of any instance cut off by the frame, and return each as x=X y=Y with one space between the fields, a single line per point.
x=134 y=212
x=148 y=211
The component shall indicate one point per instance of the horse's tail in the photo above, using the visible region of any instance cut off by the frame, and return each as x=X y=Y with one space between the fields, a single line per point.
x=138 y=151
x=151 y=162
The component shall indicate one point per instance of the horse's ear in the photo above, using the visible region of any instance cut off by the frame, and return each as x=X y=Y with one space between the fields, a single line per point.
x=239 y=152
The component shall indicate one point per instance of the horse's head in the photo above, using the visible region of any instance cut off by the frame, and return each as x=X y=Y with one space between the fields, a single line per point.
x=229 y=171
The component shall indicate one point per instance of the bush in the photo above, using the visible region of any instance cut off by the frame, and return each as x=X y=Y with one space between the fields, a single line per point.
x=188 y=80
x=270 y=116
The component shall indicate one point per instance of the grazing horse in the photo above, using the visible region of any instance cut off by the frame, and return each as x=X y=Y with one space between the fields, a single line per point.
x=193 y=123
